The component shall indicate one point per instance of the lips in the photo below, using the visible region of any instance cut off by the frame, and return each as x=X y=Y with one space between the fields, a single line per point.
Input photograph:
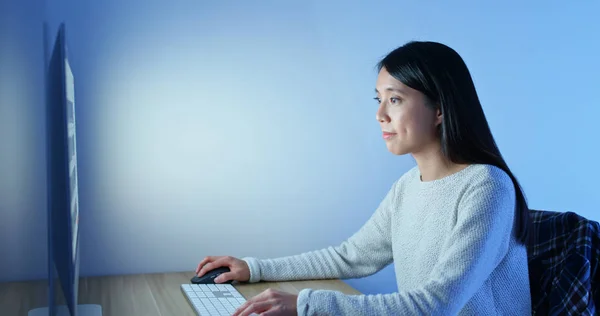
x=388 y=135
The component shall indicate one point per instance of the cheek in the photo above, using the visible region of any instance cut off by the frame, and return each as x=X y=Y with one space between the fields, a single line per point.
x=403 y=125
x=427 y=126
x=412 y=128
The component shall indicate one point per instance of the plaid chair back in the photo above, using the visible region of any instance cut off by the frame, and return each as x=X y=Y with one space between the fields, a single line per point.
x=564 y=256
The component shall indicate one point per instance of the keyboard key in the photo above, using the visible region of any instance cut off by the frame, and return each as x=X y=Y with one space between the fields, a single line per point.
x=217 y=304
x=224 y=301
x=213 y=299
x=222 y=287
x=237 y=294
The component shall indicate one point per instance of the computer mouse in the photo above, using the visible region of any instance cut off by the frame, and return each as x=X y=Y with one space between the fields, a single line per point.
x=209 y=277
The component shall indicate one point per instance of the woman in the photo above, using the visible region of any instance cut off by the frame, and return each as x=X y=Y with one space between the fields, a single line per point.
x=455 y=226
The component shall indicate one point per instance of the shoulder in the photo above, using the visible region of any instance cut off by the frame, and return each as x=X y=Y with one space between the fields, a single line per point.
x=478 y=175
x=487 y=186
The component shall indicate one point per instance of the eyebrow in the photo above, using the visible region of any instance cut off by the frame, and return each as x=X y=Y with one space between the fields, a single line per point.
x=392 y=89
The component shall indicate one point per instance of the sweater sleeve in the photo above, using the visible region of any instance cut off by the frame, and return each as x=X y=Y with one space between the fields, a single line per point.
x=479 y=241
x=364 y=253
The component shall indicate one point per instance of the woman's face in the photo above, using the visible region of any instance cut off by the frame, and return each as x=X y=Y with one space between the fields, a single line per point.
x=407 y=120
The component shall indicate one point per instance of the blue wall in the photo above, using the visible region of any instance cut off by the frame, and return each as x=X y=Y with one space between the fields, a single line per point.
x=249 y=129
x=22 y=147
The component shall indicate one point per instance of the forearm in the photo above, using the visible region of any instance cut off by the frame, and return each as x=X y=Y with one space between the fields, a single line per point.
x=342 y=262
x=324 y=302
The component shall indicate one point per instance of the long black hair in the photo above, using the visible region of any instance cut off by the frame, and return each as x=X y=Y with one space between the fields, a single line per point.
x=439 y=72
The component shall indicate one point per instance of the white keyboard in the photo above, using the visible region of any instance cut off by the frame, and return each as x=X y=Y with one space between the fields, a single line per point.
x=213 y=299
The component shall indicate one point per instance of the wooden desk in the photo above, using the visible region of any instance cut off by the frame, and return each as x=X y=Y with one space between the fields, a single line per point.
x=142 y=294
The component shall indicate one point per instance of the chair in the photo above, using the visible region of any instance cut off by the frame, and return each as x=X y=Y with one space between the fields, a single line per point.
x=564 y=257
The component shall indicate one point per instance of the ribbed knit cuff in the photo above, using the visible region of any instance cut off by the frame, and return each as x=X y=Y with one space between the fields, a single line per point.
x=254 y=266
x=302 y=305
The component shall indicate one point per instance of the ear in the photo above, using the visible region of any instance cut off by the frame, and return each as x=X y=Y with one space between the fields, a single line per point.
x=438 y=117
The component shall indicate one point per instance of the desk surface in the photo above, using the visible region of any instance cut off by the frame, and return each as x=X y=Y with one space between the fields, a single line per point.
x=142 y=294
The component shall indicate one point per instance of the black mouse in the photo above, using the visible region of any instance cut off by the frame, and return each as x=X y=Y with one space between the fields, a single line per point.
x=209 y=276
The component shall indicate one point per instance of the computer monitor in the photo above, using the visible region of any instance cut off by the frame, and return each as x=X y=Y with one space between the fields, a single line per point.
x=62 y=188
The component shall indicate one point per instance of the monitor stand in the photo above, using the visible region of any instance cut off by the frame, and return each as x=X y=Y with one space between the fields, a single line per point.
x=82 y=310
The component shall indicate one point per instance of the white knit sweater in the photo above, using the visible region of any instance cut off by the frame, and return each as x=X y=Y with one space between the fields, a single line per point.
x=452 y=244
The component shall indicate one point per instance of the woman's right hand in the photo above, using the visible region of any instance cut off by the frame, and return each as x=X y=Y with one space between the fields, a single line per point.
x=239 y=270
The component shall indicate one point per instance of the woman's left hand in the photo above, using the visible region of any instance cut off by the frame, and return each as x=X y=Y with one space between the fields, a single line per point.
x=269 y=303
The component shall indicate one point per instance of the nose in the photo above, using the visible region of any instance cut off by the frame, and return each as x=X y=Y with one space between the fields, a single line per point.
x=381 y=115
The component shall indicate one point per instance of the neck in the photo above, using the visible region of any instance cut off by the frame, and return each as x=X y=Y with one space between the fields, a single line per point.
x=434 y=165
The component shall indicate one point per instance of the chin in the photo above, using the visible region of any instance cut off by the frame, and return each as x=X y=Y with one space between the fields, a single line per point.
x=397 y=150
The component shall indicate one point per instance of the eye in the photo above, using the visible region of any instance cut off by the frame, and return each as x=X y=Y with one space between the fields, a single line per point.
x=394 y=100
x=377 y=99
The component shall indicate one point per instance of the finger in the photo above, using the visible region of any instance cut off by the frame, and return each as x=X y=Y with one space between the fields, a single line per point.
x=213 y=265
x=257 y=307
x=272 y=312
x=224 y=277
x=262 y=296
x=203 y=262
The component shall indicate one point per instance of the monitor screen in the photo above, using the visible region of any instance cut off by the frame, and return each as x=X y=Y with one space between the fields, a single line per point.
x=72 y=157
x=63 y=202
x=62 y=187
